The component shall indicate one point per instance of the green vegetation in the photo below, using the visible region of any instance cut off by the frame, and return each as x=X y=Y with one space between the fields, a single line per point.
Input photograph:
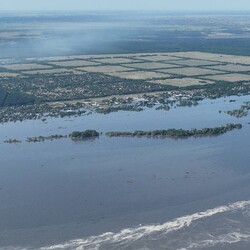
x=187 y=103
x=77 y=135
x=220 y=89
x=40 y=111
x=12 y=141
x=45 y=138
x=169 y=133
x=163 y=107
x=241 y=112
x=14 y=98
x=109 y=110
x=34 y=96
x=161 y=100
x=238 y=113
x=50 y=88
x=178 y=133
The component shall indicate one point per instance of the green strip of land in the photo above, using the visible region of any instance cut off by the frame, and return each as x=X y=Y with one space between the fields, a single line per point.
x=178 y=133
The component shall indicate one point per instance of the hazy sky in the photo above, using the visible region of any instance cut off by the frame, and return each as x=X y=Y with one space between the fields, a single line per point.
x=125 y=5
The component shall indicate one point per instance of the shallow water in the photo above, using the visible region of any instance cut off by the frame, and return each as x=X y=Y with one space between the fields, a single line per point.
x=57 y=191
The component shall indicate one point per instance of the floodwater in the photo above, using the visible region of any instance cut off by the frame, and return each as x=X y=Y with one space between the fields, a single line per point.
x=127 y=193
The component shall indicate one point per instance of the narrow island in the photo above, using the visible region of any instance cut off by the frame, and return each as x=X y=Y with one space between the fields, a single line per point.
x=45 y=138
x=168 y=133
x=12 y=141
x=78 y=135
x=178 y=133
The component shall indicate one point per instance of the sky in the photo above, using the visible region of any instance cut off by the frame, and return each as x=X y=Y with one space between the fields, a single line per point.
x=166 y=5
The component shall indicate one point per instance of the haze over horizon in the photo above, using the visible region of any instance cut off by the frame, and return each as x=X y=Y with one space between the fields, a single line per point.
x=144 y=5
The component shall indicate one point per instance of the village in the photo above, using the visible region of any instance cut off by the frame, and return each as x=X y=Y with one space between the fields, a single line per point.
x=40 y=88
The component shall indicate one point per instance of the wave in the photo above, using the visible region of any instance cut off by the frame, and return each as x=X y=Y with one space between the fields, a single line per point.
x=230 y=238
x=162 y=236
x=126 y=236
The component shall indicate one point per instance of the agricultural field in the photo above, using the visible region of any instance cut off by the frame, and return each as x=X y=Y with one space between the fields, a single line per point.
x=232 y=67
x=52 y=71
x=156 y=57
x=74 y=63
x=215 y=57
x=117 y=60
x=103 y=69
x=183 y=82
x=194 y=62
x=190 y=71
x=139 y=75
x=88 y=76
x=8 y=74
x=230 y=77
x=150 y=65
x=26 y=66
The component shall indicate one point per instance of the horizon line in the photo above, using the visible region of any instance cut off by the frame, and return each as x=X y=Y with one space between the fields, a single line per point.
x=124 y=10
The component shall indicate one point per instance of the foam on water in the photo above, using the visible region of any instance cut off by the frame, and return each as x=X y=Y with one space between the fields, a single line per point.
x=229 y=238
x=126 y=237
x=134 y=238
